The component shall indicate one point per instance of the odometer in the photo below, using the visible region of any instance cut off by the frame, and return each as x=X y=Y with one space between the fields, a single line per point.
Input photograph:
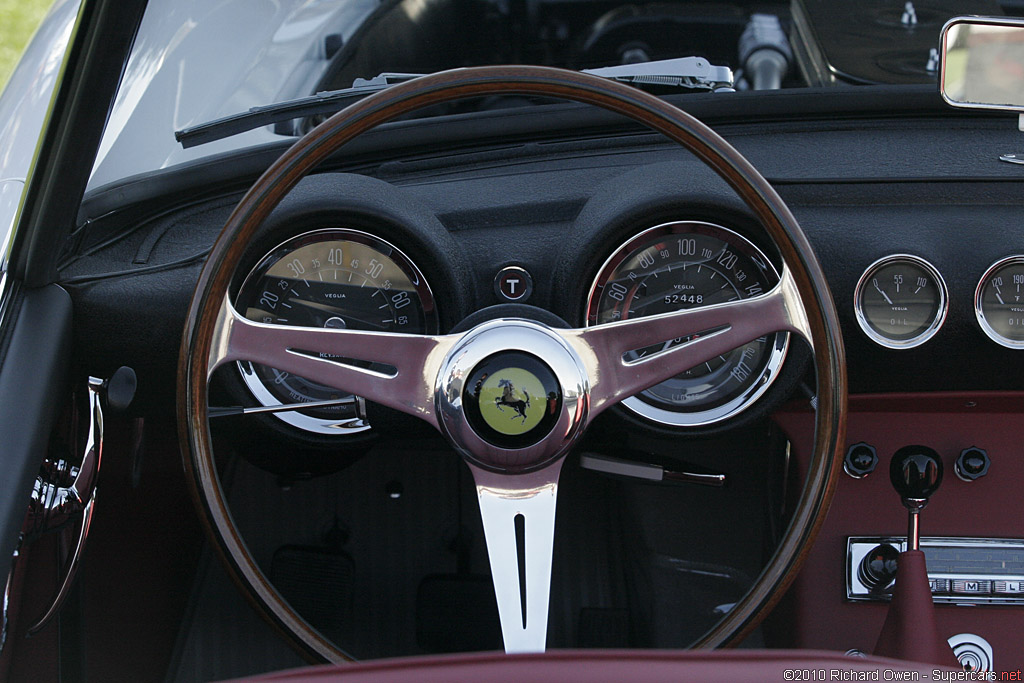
x=689 y=264
x=999 y=302
x=900 y=301
x=334 y=278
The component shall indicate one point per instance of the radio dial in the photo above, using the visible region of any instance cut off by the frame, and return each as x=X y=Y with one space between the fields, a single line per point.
x=878 y=568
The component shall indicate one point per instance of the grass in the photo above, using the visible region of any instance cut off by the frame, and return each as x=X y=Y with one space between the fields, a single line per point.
x=18 y=21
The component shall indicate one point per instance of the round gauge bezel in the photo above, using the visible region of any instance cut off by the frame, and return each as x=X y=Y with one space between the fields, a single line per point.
x=776 y=355
x=979 y=311
x=334 y=426
x=933 y=327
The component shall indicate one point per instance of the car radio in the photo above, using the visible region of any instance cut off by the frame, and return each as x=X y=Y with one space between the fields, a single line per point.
x=962 y=571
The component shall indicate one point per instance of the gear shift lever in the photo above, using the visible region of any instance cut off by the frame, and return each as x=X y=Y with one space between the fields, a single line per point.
x=910 y=631
x=915 y=473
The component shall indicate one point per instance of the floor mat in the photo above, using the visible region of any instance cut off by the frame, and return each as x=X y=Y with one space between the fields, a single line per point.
x=317 y=582
x=378 y=557
x=223 y=636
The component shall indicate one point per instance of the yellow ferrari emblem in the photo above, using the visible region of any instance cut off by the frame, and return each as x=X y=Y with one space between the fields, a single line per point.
x=512 y=401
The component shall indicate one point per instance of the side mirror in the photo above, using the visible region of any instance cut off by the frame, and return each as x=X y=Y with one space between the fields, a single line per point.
x=983 y=63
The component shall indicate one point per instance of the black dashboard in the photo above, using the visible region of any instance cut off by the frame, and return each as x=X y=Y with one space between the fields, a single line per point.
x=558 y=190
x=919 y=179
x=363 y=529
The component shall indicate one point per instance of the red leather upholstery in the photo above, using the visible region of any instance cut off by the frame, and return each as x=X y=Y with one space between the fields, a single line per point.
x=815 y=613
x=909 y=631
x=616 y=666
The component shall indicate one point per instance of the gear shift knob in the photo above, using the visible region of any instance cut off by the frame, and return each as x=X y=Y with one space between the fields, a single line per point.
x=915 y=473
x=910 y=630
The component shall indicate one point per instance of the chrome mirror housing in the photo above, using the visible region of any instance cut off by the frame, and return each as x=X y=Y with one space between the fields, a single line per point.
x=983 y=63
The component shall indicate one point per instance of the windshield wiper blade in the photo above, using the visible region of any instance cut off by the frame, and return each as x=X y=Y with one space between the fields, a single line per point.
x=684 y=72
x=326 y=102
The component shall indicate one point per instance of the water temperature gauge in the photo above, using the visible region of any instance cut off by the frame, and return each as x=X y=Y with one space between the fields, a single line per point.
x=901 y=301
x=999 y=302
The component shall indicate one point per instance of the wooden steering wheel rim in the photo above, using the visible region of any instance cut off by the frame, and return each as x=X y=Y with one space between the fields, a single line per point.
x=328 y=137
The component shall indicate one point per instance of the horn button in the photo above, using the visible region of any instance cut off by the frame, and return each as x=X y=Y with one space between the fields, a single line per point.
x=512 y=399
x=512 y=396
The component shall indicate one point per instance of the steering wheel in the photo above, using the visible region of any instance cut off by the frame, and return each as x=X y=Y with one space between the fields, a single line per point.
x=582 y=371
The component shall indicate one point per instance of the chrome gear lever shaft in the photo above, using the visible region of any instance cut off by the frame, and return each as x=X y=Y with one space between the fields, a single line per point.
x=910 y=630
x=915 y=473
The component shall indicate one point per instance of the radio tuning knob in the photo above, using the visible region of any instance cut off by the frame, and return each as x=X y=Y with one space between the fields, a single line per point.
x=878 y=568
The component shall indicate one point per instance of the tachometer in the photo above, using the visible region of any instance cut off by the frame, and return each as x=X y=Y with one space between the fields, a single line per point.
x=334 y=278
x=689 y=264
x=900 y=301
x=999 y=302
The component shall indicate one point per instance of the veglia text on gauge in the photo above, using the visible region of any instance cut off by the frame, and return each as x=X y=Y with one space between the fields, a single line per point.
x=331 y=278
x=689 y=264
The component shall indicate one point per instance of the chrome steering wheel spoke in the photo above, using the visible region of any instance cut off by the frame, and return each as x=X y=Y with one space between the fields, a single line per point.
x=518 y=513
x=516 y=482
x=336 y=357
x=708 y=331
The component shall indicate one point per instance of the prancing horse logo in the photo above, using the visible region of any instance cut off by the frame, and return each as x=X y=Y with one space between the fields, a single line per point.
x=508 y=398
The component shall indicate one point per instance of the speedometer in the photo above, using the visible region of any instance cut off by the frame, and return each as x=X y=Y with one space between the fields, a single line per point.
x=689 y=264
x=333 y=278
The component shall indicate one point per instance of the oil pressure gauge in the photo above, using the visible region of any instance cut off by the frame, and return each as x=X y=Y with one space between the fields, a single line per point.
x=901 y=301
x=999 y=302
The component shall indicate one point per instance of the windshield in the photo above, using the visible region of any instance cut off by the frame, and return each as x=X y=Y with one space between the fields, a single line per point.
x=195 y=61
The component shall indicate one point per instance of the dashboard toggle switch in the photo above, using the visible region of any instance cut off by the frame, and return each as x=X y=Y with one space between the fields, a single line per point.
x=861 y=460
x=972 y=464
